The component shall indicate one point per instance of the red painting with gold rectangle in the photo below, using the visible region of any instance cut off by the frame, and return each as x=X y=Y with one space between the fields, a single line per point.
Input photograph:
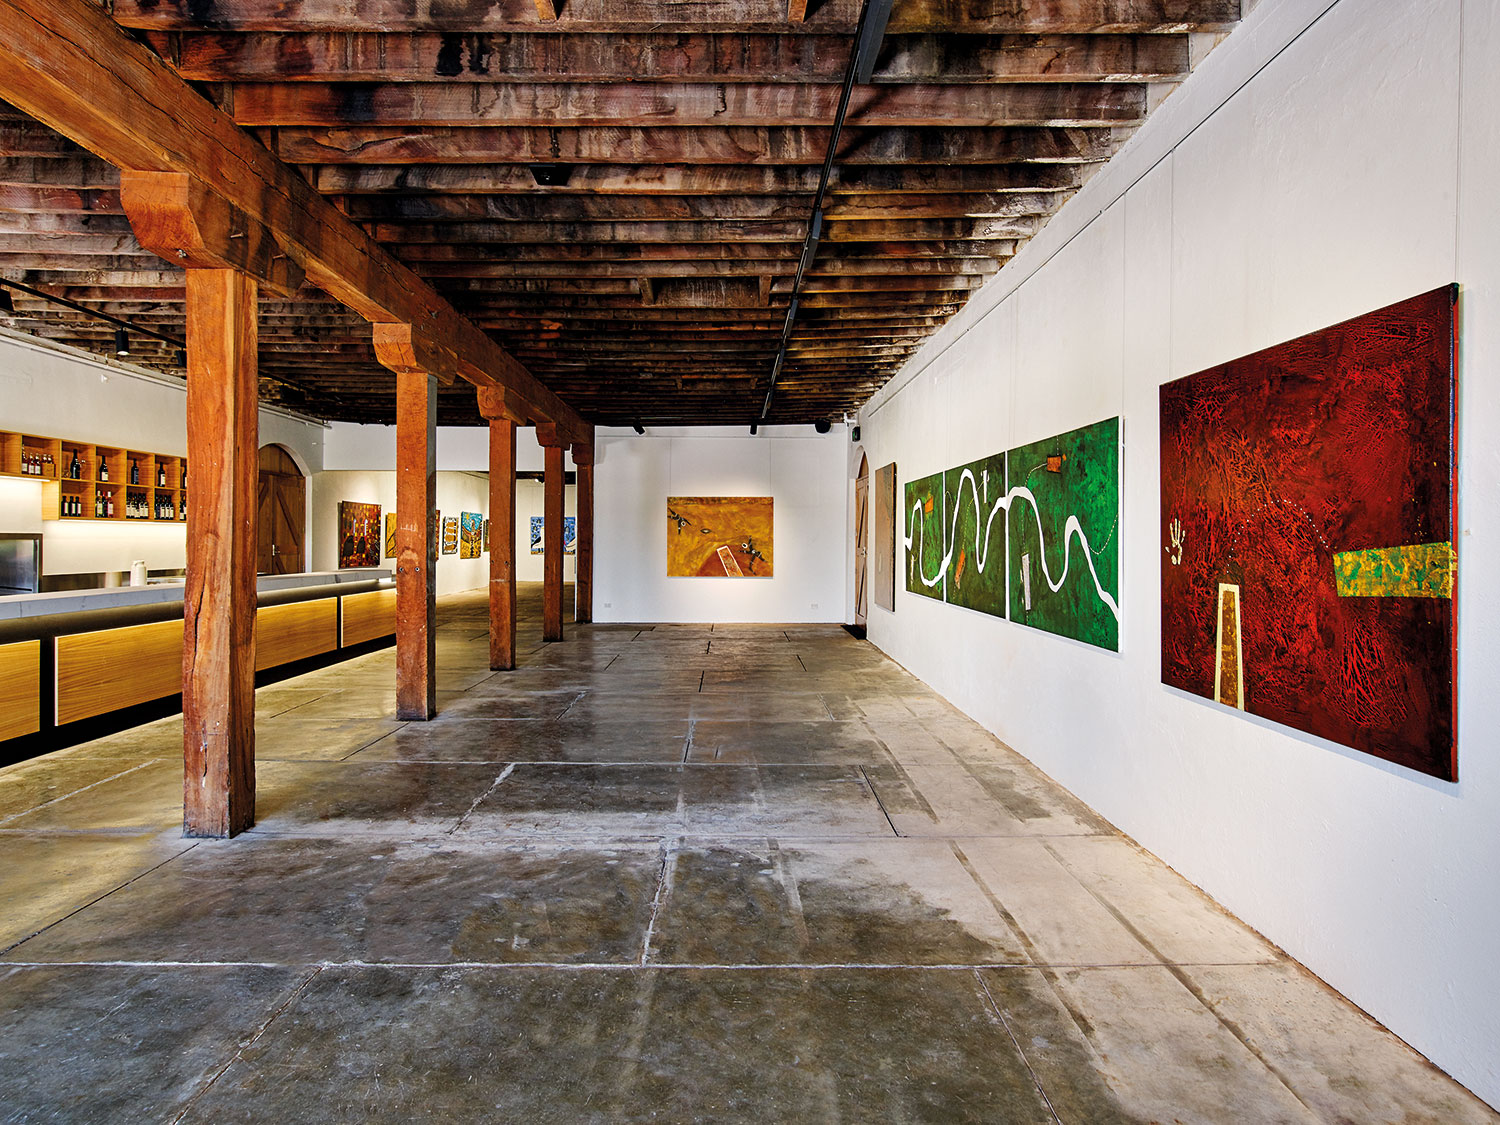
x=1308 y=512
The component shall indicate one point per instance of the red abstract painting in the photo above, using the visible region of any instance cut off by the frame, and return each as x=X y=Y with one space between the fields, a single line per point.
x=1308 y=508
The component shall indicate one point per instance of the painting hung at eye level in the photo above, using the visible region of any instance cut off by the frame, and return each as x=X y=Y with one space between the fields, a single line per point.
x=954 y=534
x=570 y=535
x=390 y=535
x=719 y=536
x=450 y=535
x=485 y=538
x=1063 y=505
x=469 y=526
x=1307 y=507
x=885 y=537
x=359 y=534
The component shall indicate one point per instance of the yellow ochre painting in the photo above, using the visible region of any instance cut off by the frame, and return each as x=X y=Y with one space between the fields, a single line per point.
x=719 y=536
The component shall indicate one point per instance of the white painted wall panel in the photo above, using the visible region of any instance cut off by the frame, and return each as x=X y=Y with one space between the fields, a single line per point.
x=804 y=473
x=1319 y=165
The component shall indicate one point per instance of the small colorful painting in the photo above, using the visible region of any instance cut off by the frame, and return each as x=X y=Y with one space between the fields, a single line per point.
x=570 y=534
x=1307 y=533
x=485 y=541
x=359 y=534
x=390 y=535
x=450 y=535
x=884 y=548
x=719 y=536
x=437 y=535
x=469 y=529
x=1064 y=521
x=925 y=536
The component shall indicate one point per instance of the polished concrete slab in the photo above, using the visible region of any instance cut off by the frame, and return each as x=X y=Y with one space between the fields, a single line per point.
x=670 y=873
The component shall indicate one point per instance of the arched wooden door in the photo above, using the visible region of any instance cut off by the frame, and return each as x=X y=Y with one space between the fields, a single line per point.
x=281 y=513
x=862 y=543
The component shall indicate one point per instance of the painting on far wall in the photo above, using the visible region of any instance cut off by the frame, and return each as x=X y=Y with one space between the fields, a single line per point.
x=884 y=549
x=469 y=529
x=720 y=536
x=570 y=535
x=390 y=535
x=359 y=534
x=485 y=538
x=1308 y=510
x=1064 y=534
x=450 y=535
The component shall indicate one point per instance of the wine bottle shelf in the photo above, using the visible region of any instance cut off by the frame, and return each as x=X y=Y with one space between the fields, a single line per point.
x=82 y=481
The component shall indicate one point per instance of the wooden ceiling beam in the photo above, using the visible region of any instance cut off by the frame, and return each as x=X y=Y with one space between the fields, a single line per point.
x=352 y=143
x=837 y=17
x=685 y=179
x=660 y=252
x=69 y=65
x=740 y=230
x=613 y=104
x=325 y=56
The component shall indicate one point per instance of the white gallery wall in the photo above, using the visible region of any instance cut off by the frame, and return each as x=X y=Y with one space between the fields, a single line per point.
x=456 y=492
x=802 y=471
x=363 y=457
x=57 y=391
x=1326 y=160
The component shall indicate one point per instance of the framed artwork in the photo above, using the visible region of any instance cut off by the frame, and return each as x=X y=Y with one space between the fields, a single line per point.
x=720 y=536
x=469 y=529
x=1063 y=521
x=570 y=535
x=924 y=534
x=390 y=535
x=359 y=534
x=1307 y=533
x=450 y=535
x=437 y=534
x=884 y=547
x=485 y=537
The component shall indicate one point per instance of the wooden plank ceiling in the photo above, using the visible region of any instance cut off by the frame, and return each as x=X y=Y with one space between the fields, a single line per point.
x=619 y=192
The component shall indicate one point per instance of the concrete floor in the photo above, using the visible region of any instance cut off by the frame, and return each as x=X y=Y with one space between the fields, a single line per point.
x=678 y=873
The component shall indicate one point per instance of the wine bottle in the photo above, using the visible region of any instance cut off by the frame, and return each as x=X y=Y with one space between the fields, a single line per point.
x=103 y=469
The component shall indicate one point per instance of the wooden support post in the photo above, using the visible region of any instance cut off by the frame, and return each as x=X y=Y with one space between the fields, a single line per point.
x=552 y=544
x=218 y=641
x=416 y=545
x=583 y=584
x=502 y=544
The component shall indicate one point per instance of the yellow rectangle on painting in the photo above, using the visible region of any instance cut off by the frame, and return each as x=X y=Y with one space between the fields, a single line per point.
x=114 y=668
x=284 y=633
x=1417 y=570
x=719 y=536
x=20 y=689
x=368 y=615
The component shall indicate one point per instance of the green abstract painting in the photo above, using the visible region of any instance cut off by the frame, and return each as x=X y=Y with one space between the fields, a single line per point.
x=976 y=535
x=1064 y=523
x=925 y=537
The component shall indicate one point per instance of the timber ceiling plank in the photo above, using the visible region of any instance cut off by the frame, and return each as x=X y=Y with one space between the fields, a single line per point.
x=618 y=194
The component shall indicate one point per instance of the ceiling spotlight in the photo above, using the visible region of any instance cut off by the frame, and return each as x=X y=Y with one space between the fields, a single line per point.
x=640 y=429
x=7 y=304
x=753 y=427
x=122 y=342
x=822 y=425
x=179 y=357
x=551 y=175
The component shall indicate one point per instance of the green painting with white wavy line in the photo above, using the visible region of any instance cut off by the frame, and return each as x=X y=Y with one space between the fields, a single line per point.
x=1064 y=544
x=924 y=533
x=976 y=535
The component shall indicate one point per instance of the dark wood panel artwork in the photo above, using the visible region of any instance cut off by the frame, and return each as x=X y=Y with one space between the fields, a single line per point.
x=885 y=537
x=1308 y=505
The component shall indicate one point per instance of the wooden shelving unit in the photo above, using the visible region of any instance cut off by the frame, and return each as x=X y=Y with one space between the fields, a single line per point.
x=102 y=488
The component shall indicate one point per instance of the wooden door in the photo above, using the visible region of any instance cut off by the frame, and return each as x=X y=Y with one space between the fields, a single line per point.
x=862 y=543
x=281 y=513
